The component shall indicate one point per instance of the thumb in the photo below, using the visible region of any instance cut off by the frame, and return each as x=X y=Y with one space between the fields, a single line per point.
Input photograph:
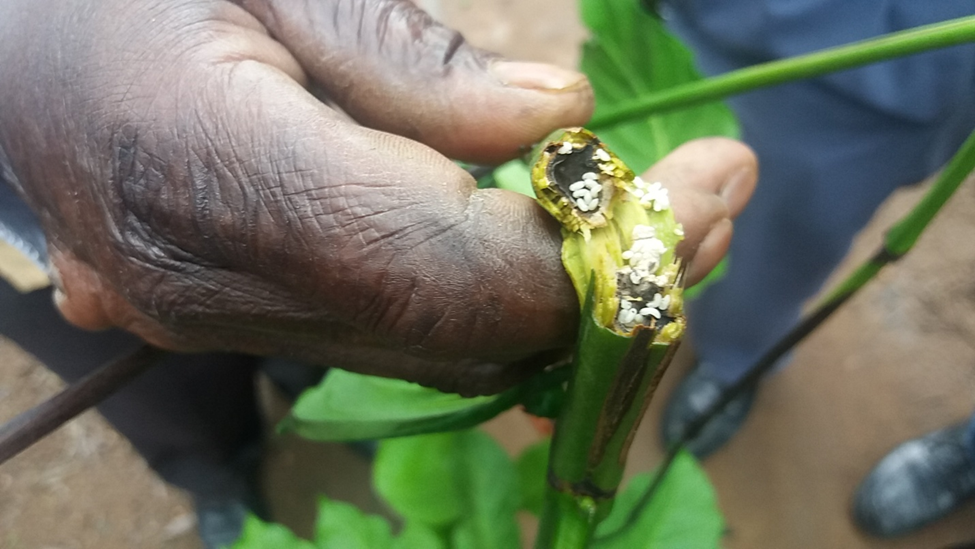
x=392 y=67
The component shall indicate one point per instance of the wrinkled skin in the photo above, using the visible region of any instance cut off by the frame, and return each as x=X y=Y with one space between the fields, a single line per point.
x=199 y=189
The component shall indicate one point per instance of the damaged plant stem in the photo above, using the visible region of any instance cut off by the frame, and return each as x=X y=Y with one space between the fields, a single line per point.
x=619 y=240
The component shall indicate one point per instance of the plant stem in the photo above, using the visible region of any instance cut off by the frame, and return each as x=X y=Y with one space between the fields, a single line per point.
x=27 y=428
x=613 y=379
x=899 y=240
x=568 y=522
x=899 y=44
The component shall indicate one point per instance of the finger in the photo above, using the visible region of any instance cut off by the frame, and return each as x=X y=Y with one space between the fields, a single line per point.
x=710 y=181
x=393 y=68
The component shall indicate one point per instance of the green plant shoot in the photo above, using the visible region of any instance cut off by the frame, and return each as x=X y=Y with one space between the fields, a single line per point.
x=619 y=237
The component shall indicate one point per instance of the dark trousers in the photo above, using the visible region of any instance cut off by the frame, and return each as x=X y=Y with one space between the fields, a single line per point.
x=970 y=438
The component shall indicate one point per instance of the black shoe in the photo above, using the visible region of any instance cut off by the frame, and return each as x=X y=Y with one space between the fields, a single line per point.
x=919 y=482
x=219 y=524
x=232 y=494
x=694 y=396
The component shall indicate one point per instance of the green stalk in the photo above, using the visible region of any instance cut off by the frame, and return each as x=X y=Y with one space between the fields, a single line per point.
x=904 y=234
x=619 y=249
x=612 y=381
x=899 y=44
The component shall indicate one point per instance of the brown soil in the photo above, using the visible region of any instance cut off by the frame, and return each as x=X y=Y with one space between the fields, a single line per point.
x=897 y=361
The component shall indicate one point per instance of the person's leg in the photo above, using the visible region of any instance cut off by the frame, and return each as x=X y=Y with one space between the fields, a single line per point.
x=830 y=151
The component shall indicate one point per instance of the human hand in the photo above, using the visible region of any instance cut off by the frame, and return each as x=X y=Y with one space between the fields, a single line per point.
x=196 y=190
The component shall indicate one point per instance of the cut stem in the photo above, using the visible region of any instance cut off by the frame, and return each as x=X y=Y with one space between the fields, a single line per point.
x=899 y=44
x=612 y=382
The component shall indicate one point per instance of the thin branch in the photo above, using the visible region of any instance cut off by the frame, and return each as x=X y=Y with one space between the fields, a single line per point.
x=899 y=44
x=24 y=430
x=899 y=240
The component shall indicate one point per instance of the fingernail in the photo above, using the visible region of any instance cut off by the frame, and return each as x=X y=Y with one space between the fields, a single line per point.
x=536 y=76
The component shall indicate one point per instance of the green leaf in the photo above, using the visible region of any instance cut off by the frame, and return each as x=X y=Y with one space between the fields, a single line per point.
x=418 y=477
x=348 y=406
x=683 y=514
x=460 y=480
x=343 y=526
x=630 y=54
x=532 y=467
x=514 y=176
x=419 y=536
x=258 y=534
x=339 y=526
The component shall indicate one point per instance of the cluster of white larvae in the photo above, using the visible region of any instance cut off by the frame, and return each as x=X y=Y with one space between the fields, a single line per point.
x=643 y=259
x=644 y=256
x=651 y=195
x=585 y=192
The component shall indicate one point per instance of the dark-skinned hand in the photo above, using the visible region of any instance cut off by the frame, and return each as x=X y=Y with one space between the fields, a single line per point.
x=200 y=187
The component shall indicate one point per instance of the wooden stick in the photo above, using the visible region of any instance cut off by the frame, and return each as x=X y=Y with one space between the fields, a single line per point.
x=27 y=428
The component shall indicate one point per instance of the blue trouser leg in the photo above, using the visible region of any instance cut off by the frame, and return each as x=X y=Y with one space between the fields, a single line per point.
x=830 y=151
x=813 y=197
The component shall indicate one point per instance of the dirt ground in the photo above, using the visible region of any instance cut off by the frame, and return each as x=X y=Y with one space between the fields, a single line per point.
x=897 y=361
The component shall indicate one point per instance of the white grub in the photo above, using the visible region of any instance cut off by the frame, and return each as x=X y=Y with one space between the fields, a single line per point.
x=643 y=231
x=593 y=185
x=577 y=185
x=566 y=148
x=650 y=311
x=653 y=194
x=643 y=257
x=665 y=303
x=593 y=203
x=582 y=193
x=584 y=206
x=626 y=317
x=661 y=202
x=590 y=176
x=602 y=155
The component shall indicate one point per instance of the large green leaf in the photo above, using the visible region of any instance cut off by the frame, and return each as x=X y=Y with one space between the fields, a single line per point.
x=461 y=482
x=683 y=513
x=339 y=526
x=343 y=526
x=418 y=536
x=262 y=535
x=514 y=176
x=630 y=54
x=348 y=406
x=533 y=475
